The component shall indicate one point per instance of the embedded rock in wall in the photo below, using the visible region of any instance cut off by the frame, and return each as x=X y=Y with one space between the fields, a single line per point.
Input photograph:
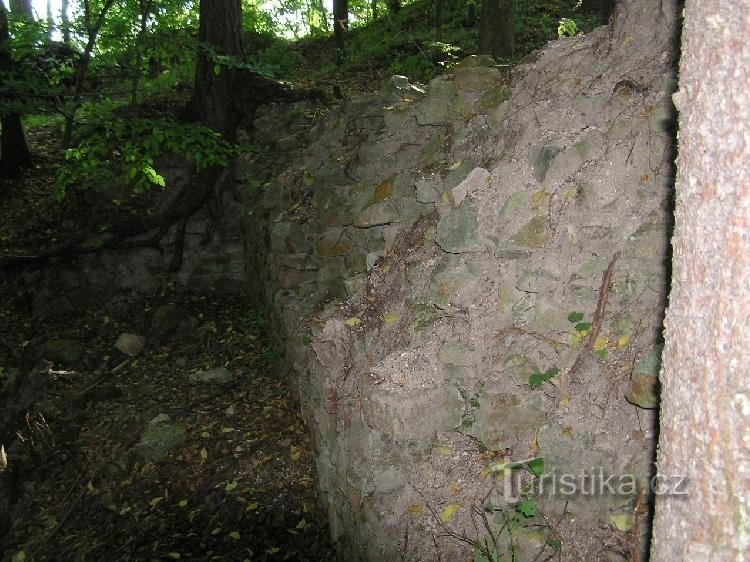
x=467 y=276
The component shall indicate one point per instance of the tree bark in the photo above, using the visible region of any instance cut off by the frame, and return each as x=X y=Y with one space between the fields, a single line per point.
x=438 y=20
x=496 y=29
x=705 y=408
x=14 y=152
x=220 y=31
x=65 y=19
x=340 y=27
x=50 y=20
x=22 y=7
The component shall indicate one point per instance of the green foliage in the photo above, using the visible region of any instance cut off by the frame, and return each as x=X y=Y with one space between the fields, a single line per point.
x=126 y=151
x=575 y=317
x=256 y=318
x=507 y=519
x=567 y=27
x=277 y=59
x=416 y=67
x=538 y=22
x=536 y=466
x=538 y=379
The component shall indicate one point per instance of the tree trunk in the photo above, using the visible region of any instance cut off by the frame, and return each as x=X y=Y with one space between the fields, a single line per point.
x=374 y=9
x=50 y=20
x=65 y=27
x=496 y=29
x=93 y=27
x=705 y=411
x=22 y=7
x=220 y=30
x=340 y=27
x=145 y=9
x=438 y=20
x=394 y=6
x=14 y=153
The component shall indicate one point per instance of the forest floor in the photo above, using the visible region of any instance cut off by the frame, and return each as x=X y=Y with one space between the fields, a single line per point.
x=236 y=479
x=240 y=484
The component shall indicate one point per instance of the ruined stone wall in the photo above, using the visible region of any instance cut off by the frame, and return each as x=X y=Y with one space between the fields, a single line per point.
x=430 y=251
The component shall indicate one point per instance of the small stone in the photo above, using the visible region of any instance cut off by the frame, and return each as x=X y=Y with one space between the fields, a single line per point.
x=160 y=438
x=61 y=350
x=457 y=232
x=130 y=344
x=220 y=375
x=477 y=179
x=377 y=214
x=427 y=190
x=534 y=234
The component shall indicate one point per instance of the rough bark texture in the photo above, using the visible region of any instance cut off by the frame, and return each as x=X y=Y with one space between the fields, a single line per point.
x=705 y=380
x=65 y=27
x=21 y=6
x=14 y=153
x=496 y=29
x=220 y=27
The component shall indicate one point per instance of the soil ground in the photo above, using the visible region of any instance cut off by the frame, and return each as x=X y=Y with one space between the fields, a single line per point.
x=242 y=486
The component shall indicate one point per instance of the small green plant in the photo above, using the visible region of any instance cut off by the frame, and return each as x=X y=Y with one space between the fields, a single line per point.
x=576 y=318
x=469 y=416
x=567 y=28
x=256 y=317
x=505 y=520
x=536 y=380
x=415 y=67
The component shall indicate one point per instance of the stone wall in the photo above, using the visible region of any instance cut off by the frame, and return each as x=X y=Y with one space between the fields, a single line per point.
x=426 y=252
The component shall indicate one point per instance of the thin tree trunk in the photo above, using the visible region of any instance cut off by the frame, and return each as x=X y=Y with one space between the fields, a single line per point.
x=50 y=20
x=374 y=9
x=705 y=397
x=145 y=12
x=14 y=152
x=341 y=26
x=65 y=22
x=439 y=20
x=92 y=29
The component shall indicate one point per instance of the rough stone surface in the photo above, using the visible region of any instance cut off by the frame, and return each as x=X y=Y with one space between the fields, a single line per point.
x=220 y=375
x=59 y=350
x=431 y=250
x=160 y=437
x=130 y=344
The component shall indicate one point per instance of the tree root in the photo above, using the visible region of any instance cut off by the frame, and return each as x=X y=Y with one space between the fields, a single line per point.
x=177 y=211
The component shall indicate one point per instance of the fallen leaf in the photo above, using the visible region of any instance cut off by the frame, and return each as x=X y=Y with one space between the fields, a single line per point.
x=416 y=509
x=624 y=522
x=449 y=512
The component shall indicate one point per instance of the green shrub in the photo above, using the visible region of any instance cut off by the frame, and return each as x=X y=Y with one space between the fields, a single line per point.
x=125 y=151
